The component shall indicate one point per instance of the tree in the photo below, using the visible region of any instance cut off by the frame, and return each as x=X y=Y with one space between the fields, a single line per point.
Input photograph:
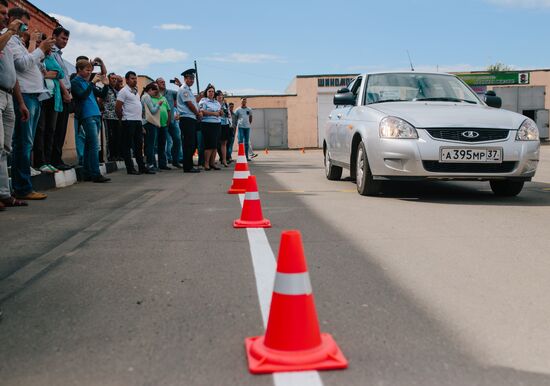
x=498 y=67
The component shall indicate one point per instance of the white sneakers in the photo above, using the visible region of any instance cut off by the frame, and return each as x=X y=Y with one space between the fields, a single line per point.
x=46 y=169
x=35 y=172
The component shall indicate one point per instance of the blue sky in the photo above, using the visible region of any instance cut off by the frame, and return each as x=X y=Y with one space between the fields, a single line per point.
x=257 y=47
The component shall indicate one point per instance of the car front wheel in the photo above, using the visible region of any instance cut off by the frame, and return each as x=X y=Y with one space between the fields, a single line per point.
x=333 y=173
x=506 y=188
x=366 y=185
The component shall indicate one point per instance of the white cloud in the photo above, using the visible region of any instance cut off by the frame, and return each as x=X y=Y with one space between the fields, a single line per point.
x=245 y=58
x=116 y=46
x=174 y=27
x=522 y=3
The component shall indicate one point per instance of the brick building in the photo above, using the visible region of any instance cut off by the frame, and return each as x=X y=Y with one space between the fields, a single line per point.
x=40 y=20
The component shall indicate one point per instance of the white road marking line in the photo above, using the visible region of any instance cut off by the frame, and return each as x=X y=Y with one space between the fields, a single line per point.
x=265 y=267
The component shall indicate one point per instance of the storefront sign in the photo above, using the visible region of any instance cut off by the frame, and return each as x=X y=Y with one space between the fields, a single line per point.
x=333 y=82
x=496 y=78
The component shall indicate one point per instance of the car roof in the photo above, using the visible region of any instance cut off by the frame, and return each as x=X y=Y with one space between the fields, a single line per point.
x=407 y=72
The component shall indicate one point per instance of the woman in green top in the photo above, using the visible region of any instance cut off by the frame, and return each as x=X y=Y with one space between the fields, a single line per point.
x=157 y=116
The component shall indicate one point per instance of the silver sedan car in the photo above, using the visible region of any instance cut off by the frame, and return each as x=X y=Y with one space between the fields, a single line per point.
x=409 y=125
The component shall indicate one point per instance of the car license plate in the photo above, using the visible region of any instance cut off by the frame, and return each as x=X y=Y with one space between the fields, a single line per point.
x=470 y=155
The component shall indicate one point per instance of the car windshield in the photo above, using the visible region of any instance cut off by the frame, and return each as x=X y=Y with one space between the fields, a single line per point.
x=417 y=87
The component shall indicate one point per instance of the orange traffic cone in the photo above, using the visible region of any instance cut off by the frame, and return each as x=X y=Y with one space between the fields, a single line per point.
x=303 y=150
x=266 y=150
x=251 y=215
x=292 y=341
x=241 y=173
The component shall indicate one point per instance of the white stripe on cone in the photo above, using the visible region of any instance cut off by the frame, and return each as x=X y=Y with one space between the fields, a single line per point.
x=293 y=284
x=252 y=196
x=241 y=175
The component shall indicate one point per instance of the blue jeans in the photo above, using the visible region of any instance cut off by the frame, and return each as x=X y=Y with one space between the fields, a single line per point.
x=150 y=144
x=174 y=149
x=79 y=140
x=23 y=139
x=244 y=137
x=91 y=127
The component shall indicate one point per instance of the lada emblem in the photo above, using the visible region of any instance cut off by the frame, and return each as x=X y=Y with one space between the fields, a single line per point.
x=470 y=134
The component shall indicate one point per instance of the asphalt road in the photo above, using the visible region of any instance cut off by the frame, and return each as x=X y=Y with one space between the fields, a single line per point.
x=144 y=281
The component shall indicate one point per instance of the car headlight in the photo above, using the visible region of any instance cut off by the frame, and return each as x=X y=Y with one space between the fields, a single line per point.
x=528 y=131
x=392 y=127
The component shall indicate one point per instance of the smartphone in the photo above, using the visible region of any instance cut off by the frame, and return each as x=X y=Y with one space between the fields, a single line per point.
x=97 y=68
x=173 y=81
x=23 y=27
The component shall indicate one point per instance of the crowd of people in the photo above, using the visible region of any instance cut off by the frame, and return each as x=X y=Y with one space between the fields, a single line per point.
x=158 y=128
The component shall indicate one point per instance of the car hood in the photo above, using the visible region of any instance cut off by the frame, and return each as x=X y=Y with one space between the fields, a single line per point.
x=445 y=114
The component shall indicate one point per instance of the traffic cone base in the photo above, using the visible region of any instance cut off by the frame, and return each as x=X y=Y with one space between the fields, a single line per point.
x=233 y=190
x=262 y=359
x=265 y=223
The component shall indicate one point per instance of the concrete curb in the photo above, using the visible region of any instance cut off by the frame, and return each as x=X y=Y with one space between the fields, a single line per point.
x=63 y=179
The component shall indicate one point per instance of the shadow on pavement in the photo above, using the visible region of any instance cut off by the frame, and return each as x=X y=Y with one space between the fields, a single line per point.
x=387 y=336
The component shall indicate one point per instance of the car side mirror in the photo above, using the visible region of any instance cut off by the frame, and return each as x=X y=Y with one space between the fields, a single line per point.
x=344 y=99
x=492 y=100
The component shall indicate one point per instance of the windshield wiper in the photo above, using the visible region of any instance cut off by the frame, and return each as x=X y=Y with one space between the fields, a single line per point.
x=443 y=99
x=389 y=100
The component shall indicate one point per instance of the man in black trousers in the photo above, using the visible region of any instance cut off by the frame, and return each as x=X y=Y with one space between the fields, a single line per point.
x=128 y=109
x=189 y=116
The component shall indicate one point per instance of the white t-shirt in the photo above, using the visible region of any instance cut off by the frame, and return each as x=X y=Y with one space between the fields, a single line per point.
x=132 y=109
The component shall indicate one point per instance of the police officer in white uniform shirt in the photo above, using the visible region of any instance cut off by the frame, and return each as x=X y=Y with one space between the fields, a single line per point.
x=189 y=116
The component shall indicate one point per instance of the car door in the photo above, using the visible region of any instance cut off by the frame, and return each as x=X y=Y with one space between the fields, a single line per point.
x=345 y=134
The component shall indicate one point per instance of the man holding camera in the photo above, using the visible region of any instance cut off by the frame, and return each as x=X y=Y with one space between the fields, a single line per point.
x=31 y=82
x=9 y=88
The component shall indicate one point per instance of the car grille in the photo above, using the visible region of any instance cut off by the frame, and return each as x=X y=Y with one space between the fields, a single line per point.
x=438 y=167
x=455 y=134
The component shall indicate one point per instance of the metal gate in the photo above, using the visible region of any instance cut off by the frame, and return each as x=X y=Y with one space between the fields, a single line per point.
x=269 y=129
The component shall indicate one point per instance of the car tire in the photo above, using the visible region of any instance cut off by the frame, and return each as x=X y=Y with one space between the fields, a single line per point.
x=506 y=188
x=366 y=185
x=332 y=172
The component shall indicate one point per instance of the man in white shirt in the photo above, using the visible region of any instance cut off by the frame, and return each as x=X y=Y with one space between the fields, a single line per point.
x=128 y=108
x=31 y=82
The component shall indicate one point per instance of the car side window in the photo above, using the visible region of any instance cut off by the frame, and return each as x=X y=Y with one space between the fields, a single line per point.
x=356 y=86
